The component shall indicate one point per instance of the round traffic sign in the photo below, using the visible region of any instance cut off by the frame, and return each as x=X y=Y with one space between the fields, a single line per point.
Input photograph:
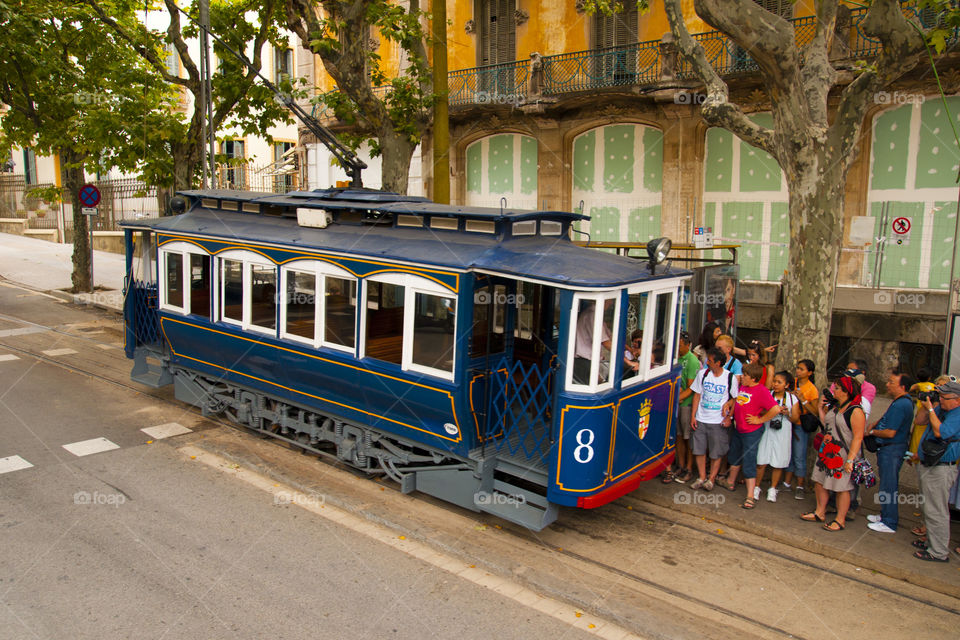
x=901 y=226
x=89 y=195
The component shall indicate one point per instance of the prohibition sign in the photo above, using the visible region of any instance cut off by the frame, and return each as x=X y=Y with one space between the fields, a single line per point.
x=89 y=195
x=901 y=226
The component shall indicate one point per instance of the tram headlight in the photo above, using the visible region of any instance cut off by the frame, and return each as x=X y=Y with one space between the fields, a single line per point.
x=657 y=251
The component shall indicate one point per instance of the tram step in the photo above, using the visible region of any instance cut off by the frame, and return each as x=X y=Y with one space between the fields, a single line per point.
x=518 y=505
x=150 y=373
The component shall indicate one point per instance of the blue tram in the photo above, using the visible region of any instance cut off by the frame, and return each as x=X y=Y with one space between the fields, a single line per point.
x=474 y=354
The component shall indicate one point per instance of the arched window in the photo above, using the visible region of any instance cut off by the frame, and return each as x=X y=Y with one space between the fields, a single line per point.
x=410 y=321
x=185 y=276
x=319 y=305
x=247 y=291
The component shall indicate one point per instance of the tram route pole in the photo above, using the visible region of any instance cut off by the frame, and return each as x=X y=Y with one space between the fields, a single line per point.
x=441 y=119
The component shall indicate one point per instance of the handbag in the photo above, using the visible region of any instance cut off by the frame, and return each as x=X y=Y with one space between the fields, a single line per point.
x=933 y=449
x=863 y=473
x=870 y=444
x=809 y=422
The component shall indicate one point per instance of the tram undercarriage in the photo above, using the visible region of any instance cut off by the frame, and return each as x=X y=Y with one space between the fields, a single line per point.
x=481 y=483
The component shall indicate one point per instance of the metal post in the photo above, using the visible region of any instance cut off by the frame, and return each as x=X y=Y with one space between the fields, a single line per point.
x=93 y=285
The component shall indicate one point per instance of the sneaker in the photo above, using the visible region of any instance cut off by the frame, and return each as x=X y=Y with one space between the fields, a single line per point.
x=873 y=518
x=708 y=485
x=756 y=493
x=697 y=484
x=684 y=477
x=799 y=494
x=771 y=495
x=879 y=526
x=785 y=487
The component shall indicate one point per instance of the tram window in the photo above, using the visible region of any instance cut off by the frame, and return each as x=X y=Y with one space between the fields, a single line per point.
x=232 y=290
x=636 y=316
x=484 y=306
x=263 y=296
x=301 y=298
x=200 y=285
x=174 y=280
x=661 y=328
x=384 y=339
x=526 y=295
x=593 y=341
x=609 y=308
x=340 y=311
x=433 y=331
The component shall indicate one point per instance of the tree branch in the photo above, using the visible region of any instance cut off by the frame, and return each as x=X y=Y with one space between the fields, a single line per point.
x=717 y=110
x=818 y=74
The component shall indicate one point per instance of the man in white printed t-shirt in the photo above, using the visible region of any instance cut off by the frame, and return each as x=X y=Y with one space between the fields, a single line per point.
x=714 y=392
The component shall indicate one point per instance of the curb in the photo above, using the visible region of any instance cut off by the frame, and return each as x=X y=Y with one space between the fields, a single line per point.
x=810 y=544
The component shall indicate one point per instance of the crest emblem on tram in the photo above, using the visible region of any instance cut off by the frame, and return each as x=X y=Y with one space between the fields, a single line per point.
x=644 y=423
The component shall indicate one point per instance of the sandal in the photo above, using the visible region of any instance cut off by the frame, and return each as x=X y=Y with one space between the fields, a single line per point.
x=748 y=504
x=925 y=555
x=829 y=527
x=919 y=531
x=812 y=517
x=667 y=478
x=919 y=544
x=728 y=486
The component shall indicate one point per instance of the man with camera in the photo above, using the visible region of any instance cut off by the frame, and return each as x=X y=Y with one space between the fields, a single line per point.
x=891 y=435
x=939 y=451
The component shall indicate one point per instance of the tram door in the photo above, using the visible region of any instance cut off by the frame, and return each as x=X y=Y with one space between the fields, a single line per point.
x=513 y=350
x=141 y=299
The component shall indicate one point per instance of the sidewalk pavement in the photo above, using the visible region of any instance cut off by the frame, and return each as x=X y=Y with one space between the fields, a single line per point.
x=46 y=266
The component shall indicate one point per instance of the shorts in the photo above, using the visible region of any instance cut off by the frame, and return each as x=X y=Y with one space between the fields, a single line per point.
x=683 y=429
x=743 y=451
x=714 y=438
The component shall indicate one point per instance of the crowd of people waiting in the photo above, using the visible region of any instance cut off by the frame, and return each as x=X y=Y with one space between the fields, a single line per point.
x=738 y=418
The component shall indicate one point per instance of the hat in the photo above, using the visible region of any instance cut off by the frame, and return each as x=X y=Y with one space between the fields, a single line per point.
x=949 y=388
x=856 y=374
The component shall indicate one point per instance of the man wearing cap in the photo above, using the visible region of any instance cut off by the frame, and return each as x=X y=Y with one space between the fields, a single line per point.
x=892 y=433
x=936 y=479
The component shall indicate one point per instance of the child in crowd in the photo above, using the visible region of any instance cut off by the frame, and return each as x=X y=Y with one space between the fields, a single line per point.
x=753 y=408
x=808 y=396
x=756 y=352
x=774 y=449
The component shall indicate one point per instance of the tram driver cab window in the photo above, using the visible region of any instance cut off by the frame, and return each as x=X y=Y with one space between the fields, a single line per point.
x=593 y=341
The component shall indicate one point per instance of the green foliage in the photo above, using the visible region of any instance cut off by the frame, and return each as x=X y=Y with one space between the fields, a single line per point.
x=608 y=7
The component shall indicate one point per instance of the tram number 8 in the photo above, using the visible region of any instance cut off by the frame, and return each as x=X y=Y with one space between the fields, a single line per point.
x=583 y=453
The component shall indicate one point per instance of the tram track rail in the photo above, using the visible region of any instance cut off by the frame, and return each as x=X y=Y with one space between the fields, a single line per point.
x=634 y=509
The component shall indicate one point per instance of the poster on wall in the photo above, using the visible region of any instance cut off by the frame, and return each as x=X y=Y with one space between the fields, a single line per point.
x=713 y=298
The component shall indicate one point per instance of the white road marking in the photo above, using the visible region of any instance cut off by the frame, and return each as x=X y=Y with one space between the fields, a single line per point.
x=7 y=357
x=13 y=463
x=166 y=430
x=89 y=447
x=21 y=331
x=106 y=346
x=59 y=352
x=506 y=588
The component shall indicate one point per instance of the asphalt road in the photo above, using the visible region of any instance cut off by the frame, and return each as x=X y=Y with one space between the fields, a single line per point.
x=141 y=541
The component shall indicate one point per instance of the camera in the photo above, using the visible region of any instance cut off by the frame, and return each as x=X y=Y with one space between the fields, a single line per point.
x=828 y=398
x=933 y=396
x=776 y=422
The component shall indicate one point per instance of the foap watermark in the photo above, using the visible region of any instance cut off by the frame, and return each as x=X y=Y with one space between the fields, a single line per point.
x=483 y=498
x=912 y=499
x=283 y=498
x=685 y=97
x=897 y=97
x=485 y=297
x=915 y=300
x=88 y=97
x=97 y=498
x=698 y=297
x=699 y=498
x=485 y=97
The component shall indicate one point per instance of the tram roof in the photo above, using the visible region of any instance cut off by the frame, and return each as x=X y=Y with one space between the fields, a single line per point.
x=373 y=200
x=543 y=258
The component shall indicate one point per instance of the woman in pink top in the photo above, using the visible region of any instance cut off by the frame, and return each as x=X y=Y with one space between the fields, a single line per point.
x=755 y=405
